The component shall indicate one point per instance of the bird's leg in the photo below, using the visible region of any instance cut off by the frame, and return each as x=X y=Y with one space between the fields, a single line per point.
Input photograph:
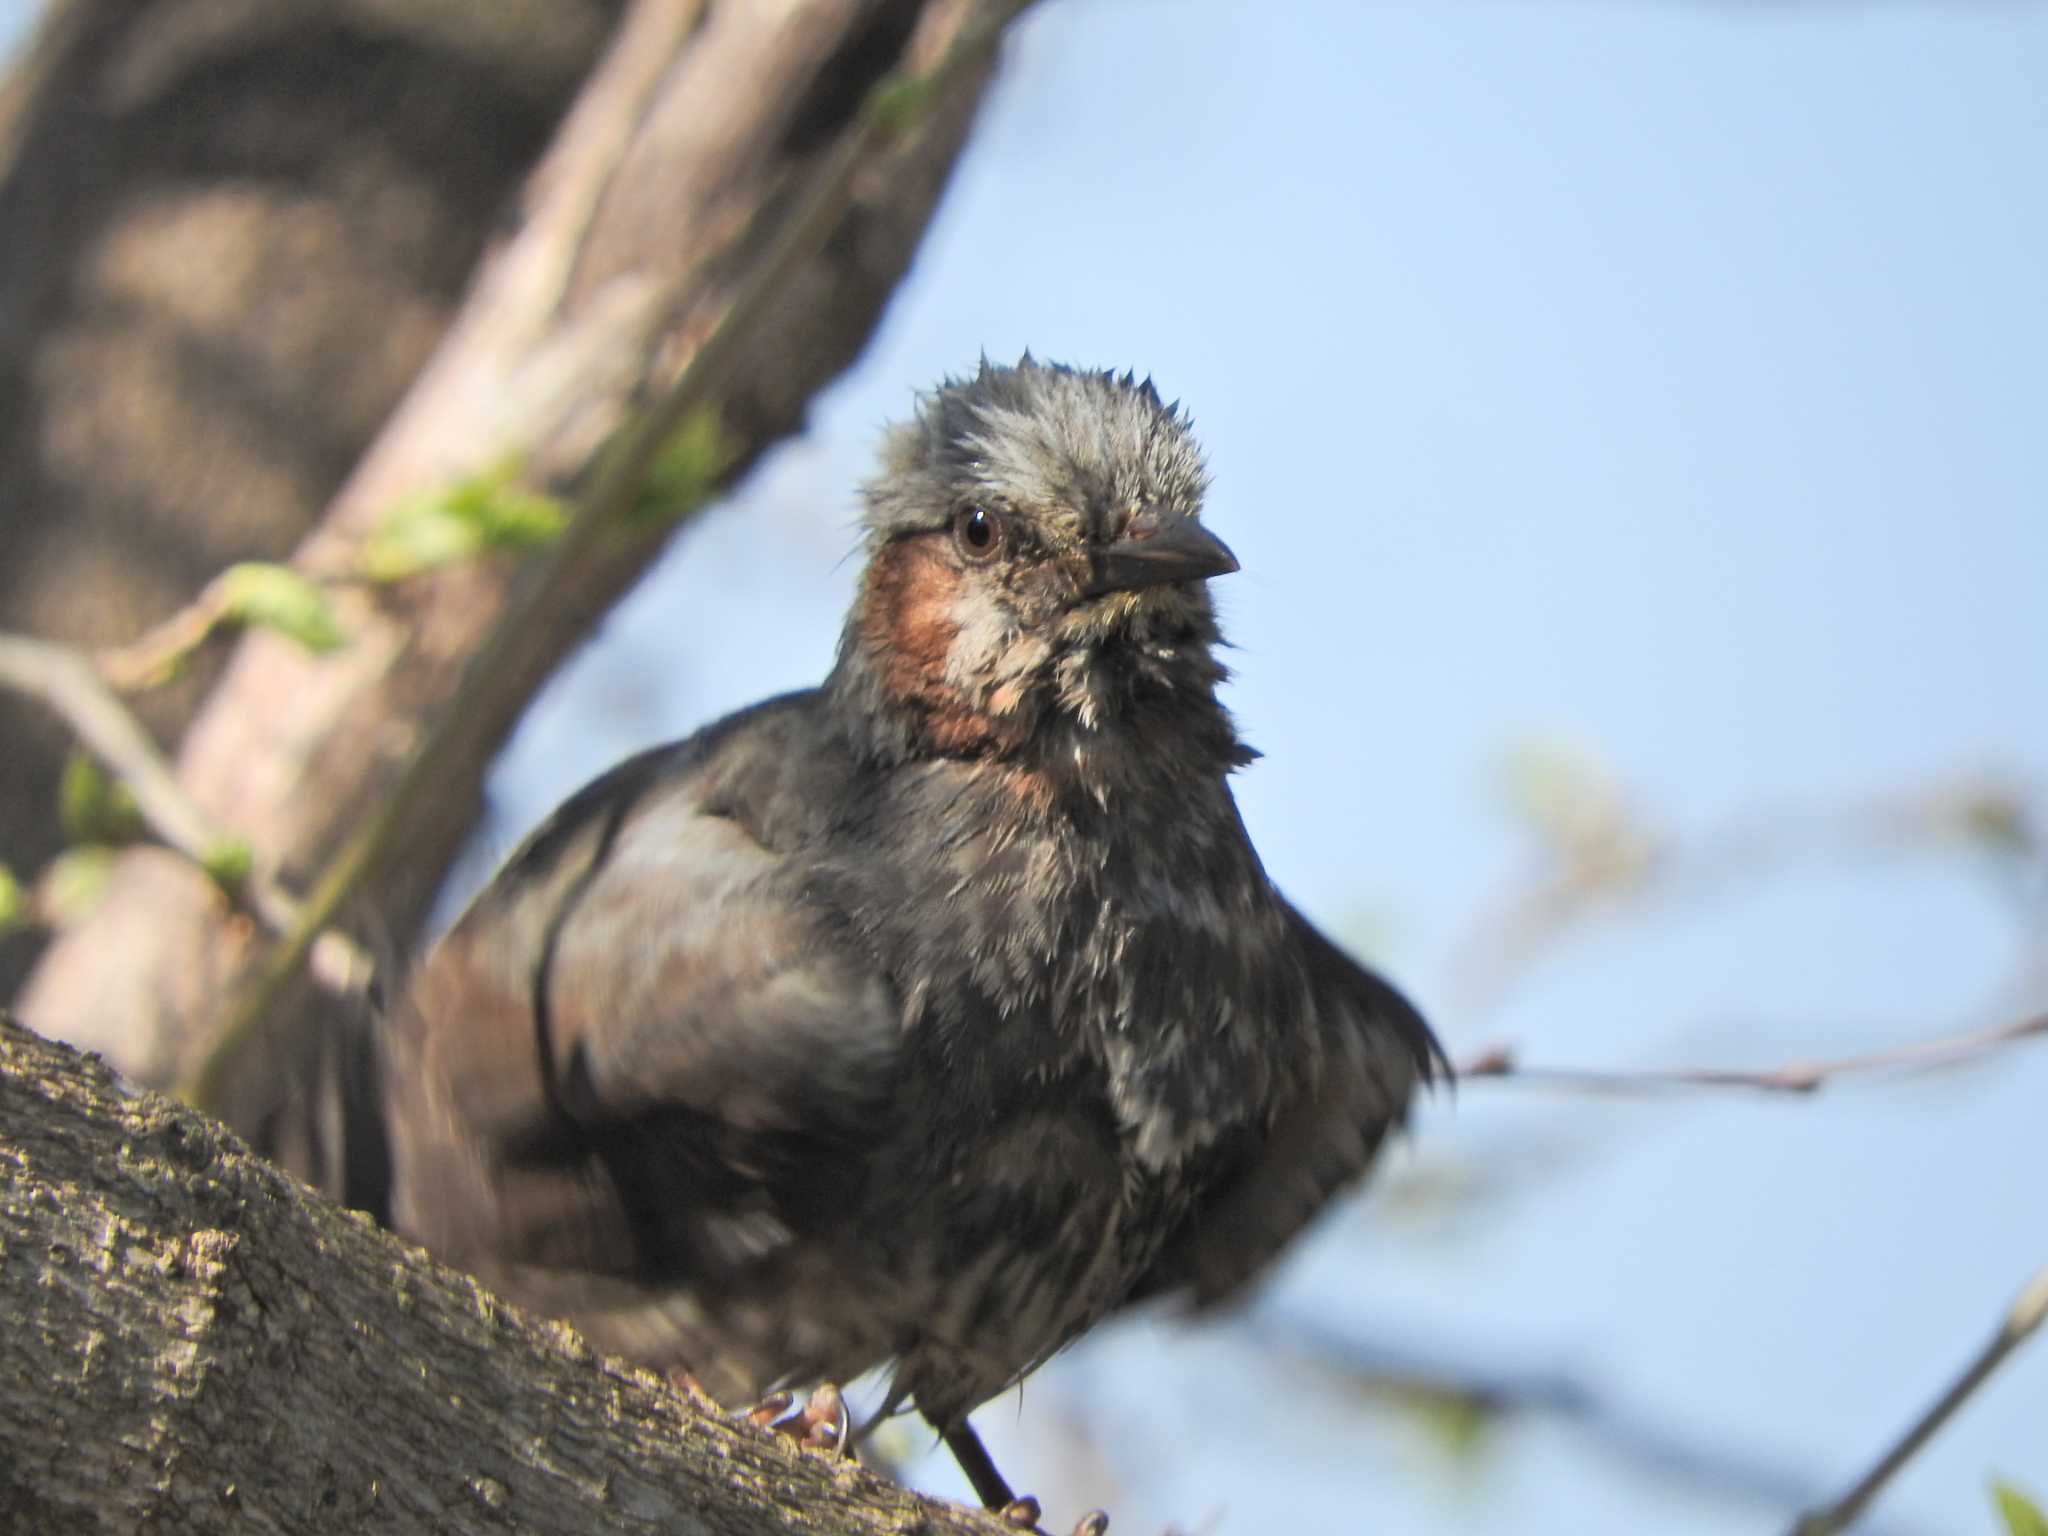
x=993 y=1489
x=980 y=1467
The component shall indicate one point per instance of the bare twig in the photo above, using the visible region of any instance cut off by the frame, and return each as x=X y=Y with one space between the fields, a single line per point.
x=2021 y=1320
x=251 y=593
x=605 y=514
x=64 y=681
x=1501 y=1063
x=68 y=683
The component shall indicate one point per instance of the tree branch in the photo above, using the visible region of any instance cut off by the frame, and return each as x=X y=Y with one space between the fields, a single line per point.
x=190 y=1339
x=706 y=149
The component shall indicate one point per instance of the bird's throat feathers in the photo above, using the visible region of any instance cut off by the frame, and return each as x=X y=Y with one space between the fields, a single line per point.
x=927 y=669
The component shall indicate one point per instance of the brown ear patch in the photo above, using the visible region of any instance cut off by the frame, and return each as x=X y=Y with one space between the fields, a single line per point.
x=906 y=606
x=906 y=618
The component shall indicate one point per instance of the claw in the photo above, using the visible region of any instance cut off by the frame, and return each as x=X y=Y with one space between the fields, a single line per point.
x=1022 y=1513
x=824 y=1422
x=1094 y=1523
x=770 y=1408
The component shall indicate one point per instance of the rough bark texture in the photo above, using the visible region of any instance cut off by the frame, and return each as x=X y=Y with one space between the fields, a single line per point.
x=691 y=141
x=192 y=1342
x=234 y=232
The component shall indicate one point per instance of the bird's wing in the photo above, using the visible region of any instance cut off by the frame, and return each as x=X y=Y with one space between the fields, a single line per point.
x=1375 y=1050
x=623 y=1055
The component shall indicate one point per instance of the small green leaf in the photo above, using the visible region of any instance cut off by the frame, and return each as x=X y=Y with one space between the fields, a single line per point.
x=417 y=536
x=484 y=512
x=95 y=807
x=899 y=101
x=13 y=902
x=75 y=881
x=266 y=596
x=2021 y=1514
x=228 y=862
x=521 y=519
x=687 y=469
x=82 y=790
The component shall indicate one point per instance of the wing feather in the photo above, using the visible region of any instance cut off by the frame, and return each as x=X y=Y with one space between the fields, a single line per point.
x=1376 y=1050
x=624 y=1052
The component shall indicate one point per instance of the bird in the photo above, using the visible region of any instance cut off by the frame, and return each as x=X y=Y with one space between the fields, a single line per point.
x=924 y=1019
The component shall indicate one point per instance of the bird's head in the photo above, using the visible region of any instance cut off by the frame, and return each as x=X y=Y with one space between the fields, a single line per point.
x=1035 y=553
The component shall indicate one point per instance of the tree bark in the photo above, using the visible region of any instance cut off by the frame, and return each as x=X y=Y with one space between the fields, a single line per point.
x=191 y=1341
x=693 y=144
x=234 y=233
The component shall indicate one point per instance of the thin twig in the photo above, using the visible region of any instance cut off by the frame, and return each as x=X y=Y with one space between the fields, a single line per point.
x=65 y=681
x=605 y=514
x=2021 y=1320
x=68 y=683
x=155 y=657
x=1500 y=1063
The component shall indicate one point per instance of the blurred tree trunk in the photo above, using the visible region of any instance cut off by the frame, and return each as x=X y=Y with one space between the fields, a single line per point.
x=191 y=1341
x=694 y=140
x=234 y=233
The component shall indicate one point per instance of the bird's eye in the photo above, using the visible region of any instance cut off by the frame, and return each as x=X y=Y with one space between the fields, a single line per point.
x=977 y=532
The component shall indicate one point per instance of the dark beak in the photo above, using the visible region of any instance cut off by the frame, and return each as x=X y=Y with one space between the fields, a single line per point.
x=1155 y=550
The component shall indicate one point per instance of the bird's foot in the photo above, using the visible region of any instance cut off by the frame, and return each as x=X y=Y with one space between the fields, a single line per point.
x=823 y=1422
x=1024 y=1513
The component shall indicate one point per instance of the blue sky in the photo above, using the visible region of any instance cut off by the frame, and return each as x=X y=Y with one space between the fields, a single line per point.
x=1668 y=380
